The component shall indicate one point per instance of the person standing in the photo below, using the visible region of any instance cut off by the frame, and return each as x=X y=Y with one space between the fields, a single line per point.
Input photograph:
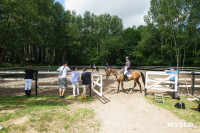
x=75 y=81
x=86 y=79
x=172 y=70
x=127 y=68
x=28 y=80
x=63 y=78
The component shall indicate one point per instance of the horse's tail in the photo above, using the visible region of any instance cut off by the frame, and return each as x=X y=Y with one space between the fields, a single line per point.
x=143 y=78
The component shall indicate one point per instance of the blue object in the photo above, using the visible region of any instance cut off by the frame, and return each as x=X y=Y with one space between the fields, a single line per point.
x=174 y=72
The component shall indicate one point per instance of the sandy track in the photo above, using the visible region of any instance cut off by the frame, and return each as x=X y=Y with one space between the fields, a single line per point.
x=131 y=113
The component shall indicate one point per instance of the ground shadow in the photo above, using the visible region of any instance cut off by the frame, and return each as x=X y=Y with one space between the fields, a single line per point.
x=102 y=99
x=196 y=109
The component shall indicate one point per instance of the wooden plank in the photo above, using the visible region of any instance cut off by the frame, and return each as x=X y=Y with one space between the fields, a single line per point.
x=11 y=79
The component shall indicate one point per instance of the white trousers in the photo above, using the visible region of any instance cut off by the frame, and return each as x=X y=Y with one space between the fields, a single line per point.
x=28 y=84
x=75 y=86
x=125 y=70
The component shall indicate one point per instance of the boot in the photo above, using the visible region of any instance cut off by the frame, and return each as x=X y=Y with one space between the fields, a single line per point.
x=29 y=92
x=125 y=78
x=26 y=92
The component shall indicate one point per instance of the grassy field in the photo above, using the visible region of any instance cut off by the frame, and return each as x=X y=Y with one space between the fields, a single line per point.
x=190 y=114
x=46 y=114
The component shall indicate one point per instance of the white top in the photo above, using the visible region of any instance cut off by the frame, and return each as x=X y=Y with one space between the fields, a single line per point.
x=63 y=70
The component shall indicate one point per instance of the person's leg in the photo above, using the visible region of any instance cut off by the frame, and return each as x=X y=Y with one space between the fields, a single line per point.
x=77 y=87
x=60 y=87
x=26 y=87
x=64 y=86
x=63 y=91
x=60 y=92
x=84 y=88
x=84 y=91
x=74 y=87
x=30 y=86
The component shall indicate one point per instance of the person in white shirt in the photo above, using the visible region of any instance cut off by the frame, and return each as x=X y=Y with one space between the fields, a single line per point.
x=63 y=78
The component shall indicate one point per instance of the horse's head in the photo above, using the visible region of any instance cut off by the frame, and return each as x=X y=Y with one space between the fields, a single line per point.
x=108 y=72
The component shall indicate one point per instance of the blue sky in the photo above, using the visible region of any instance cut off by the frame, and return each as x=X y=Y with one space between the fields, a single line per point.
x=131 y=11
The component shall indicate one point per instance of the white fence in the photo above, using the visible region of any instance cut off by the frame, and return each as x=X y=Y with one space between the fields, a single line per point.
x=160 y=80
x=94 y=82
x=98 y=83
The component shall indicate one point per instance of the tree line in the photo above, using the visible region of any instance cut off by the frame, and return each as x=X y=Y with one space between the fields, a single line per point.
x=42 y=32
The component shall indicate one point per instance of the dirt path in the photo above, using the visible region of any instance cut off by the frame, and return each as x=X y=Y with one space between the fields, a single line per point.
x=131 y=113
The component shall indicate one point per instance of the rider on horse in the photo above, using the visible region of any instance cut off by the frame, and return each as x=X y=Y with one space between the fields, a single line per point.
x=94 y=66
x=127 y=69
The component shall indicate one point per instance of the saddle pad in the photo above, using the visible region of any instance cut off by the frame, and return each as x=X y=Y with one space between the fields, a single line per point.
x=128 y=75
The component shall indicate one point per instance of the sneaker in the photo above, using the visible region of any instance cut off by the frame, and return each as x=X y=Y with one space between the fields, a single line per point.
x=63 y=96
x=60 y=97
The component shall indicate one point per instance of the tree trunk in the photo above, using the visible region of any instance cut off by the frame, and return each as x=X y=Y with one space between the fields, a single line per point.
x=183 y=59
x=177 y=51
x=63 y=58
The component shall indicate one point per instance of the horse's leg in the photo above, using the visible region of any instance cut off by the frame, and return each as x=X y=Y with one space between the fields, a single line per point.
x=139 y=85
x=133 y=86
x=118 y=86
x=122 y=84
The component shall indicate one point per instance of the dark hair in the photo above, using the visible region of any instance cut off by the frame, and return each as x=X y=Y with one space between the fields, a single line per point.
x=84 y=69
x=65 y=62
x=74 y=68
x=29 y=67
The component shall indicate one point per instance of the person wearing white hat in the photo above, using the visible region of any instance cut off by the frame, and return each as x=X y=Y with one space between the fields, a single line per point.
x=126 y=68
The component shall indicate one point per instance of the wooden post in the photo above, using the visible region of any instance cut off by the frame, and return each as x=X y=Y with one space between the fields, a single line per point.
x=145 y=92
x=36 y=79
x=90 y=87
x=193 y=83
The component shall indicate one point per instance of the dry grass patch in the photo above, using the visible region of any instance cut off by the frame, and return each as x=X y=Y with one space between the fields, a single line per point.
x=49 y=114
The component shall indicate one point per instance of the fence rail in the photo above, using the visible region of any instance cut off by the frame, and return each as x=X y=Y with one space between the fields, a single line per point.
x=161 y=83
x=151 y=68
x=94 y=82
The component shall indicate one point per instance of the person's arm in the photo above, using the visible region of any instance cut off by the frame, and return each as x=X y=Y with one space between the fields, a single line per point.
x=78 y=75
x=128 y=64
x=58 y=70
x=81 y=76
x=68 y=69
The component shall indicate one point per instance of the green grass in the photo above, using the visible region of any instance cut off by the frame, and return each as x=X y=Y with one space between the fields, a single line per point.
x=47 y=114
x=190 y=114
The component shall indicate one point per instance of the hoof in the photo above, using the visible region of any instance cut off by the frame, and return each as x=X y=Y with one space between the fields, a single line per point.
x=118 y=91
x=140 y=91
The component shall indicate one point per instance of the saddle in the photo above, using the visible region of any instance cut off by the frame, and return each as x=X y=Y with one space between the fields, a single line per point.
x=129 y=73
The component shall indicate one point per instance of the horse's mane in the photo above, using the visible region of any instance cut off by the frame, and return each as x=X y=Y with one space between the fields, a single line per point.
x=116 y=71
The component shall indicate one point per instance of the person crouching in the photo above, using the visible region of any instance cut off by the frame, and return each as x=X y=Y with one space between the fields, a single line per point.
x=75 y=81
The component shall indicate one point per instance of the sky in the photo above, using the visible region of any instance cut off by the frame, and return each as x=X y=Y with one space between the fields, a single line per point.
x=130 y=11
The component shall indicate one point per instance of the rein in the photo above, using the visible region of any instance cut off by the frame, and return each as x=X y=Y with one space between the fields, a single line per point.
x=113 y=73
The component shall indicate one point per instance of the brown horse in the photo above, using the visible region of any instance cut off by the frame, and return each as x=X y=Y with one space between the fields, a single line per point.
x=97 y=68
x=135 y=75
